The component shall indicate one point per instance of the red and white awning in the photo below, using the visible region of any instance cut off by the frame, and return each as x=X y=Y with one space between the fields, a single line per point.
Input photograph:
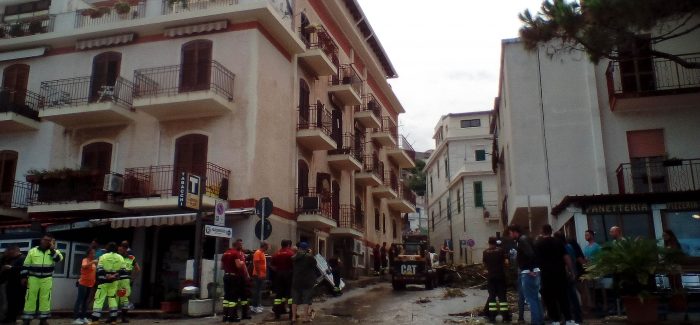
x=196 y=29
x=92 y=43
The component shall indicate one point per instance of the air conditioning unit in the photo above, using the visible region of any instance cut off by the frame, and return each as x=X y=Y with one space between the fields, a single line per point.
x=113 y=183
x=310 y=203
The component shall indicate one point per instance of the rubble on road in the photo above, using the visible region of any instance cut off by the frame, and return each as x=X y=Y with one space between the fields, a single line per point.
x=453 y=293
x=423 y=301
x=464 y=276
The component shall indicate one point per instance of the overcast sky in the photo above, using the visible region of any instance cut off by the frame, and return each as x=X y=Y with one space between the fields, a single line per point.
x=446 y=53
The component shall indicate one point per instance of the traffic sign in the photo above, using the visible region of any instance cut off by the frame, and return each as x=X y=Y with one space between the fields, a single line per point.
x=216 y=231
x=267 y=231
x=263 y=208
x=471 y=242
x=220 y=213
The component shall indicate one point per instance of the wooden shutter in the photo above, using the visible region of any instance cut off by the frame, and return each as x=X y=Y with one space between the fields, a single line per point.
x=337 y=128
x=303 y=178
x=646 y=143
x=8 y=167
x=16 y=78
x=195 y=65
x=190 y=157
x=105 y=71
x=336 y=201
x=97 y=157
x=303 y=104
x=478 y=195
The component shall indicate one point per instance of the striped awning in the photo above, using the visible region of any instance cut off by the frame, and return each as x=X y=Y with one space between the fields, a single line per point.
x=196 y=29
x=157 y=220
x=92 y=43
x=22 y=54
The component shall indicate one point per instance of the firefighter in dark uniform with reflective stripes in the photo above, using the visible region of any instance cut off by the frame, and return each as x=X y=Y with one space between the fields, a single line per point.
x=236 y=279
x=282 y=264
x=109 y=267
x=37 y=272
x=495 y=258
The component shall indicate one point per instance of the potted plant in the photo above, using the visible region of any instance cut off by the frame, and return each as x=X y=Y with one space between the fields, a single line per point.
x=34 y=175
x=16 y=30
x=35 y=27
x=122 y=7
x=633 y=264
x=98 y=12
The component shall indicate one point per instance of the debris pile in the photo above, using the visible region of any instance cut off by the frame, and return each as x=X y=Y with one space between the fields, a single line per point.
x=453 y=293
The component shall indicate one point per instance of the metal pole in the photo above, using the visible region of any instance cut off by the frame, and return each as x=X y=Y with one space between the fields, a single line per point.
x=262 y=222
x=198 y=239
x=529 y=215
x=216 y=277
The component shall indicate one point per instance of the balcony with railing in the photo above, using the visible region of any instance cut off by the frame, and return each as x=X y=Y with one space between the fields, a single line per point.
x=321 y=55
x=15 y=199
x=350 y=222
x=369 y=113
x=27 y=27
x=672 y=175
x=97 y=16
x=346 y=85
x=314 y=128
x=184 y=91
x=73 y=190
x=85 y=102
x=371 y=173
x=157 y=187
x=389 y=188
x=19 y=110
x=315 y=208
x=405 y=202
x=403 y=155
x=348 y=155
x=645 y=83
x=387 y=134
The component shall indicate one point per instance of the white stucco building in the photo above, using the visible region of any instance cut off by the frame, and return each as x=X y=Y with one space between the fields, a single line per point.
x=462 y=196
x=104 y=106
x=589 y=146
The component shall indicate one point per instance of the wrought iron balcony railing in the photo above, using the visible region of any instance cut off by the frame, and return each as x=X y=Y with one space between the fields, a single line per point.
x=351 y=217
x=348 y=144
x=100 y=16
x=389 y=126
x=23 y=102
x=69 y=186
x=316 y=37
x=407 y=194
x=673 y=175
x=371 y=104
x=164 y=180
x=31 y=26
x=18 y=197
x=85 y=90
x=314 y=117
x=176 y=79
x=371 y=164
x=652 y=76
x=347 y=75
x=315 y=201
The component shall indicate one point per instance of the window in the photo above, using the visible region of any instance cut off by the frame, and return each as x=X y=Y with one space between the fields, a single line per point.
x=15 y=79
x=686 y=229
x=647 y=150
x=638 y=74
x=23 y=244
x=376 y=219
x=195 y=65
x=383 y=223
x=97 y=156
x=478 y=195
x=633 y=225
x=438 y=169
x=79 y=252
x=61 y=269
x=431 y=185
x=105 y=71
x=439 y=209
x=459 y=202
x=8 y=166
x=304 y=111
x=433 y=219
x=322 y=247
x=447 y=170
x=470 y=123
x=480 y=155
x=393 y=228
x=28 y=8
x=303 y=178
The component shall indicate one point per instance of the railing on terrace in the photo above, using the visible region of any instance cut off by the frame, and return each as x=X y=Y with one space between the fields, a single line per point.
x=406 y=146
x=370 y=164
x=164 y=180
x=18 y=198
x=23 y=102
x=175 y=79
x=673 y=175
x=316 y=37
x=388 y=126
x=314 y=117
x=313 y=201
x=30 y=26
x=84 y=90
x=179 y=6
x=371 y=104
x=347 y=75
x=390 y=179
x=350 y=217
x=407 y=194
x=652 y=76
x=70 y=186
x=100 y=16
x=348 y=144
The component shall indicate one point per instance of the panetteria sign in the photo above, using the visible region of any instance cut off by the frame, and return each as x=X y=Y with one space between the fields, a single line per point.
x=683 y=206
x=617 y=208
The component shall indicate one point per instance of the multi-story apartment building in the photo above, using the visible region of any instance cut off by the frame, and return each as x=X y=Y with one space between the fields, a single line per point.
x=106 y=103
x=589 y=146
x=418 y=221
x=461 y=186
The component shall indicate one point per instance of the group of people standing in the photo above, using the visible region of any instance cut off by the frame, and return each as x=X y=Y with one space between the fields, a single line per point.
x=383 y=256
x=292 y=270
x=105 y=275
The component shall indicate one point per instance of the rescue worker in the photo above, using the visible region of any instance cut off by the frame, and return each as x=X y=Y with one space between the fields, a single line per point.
x=131 y=267
x=236 y=279
x=494 y=258
x=281 y=263
x=109 y=268
x=37 y=274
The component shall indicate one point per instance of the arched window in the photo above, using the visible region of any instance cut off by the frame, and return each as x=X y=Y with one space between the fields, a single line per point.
x=8 y=167
x=303 y=178
x=14 y=84
x=191 y=154
x=97 y=156
x=105 y=71
x=195 y=65
x=359 y=211
x=304 y=112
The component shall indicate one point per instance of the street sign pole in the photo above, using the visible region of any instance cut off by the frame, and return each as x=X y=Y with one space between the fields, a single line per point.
x=215 y=295
x=198 y=239
x=262 y=227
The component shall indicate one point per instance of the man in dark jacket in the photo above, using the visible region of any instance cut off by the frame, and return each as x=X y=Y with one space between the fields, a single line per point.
x=10 y=269
x=553 y=260
x=529 y=272
x=494 y=258
x=303 y=281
